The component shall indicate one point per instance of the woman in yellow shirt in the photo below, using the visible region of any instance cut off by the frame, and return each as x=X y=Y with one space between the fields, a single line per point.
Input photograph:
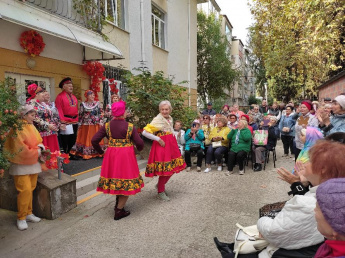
x=220 y=143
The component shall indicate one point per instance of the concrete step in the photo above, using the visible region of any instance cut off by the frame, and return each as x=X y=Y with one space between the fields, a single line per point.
x=87 y=181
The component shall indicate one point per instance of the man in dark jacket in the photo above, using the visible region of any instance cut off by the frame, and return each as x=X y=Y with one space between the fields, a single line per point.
x=263 y=108
x=209 y=111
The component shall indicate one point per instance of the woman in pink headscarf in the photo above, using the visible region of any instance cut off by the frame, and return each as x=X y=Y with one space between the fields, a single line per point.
x=120 y=174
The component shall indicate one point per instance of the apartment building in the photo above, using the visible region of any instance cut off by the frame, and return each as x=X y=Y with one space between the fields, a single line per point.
x=159 y=35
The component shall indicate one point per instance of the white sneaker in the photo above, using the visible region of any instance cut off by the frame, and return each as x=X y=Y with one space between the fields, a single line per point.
x=188 y=169
x=21 y=224
x=207 y=170
x=241 y=172
x=220 y=168
x=198 y=169
x=163 y=196
x=228 y=173
x=32 y=218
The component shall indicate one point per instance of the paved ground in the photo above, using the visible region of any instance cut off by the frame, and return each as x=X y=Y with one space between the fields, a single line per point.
x=202 y=206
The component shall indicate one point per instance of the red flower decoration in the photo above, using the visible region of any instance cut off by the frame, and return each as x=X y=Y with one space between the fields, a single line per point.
x=113 y=88
x=32 y=42
x=96 y=71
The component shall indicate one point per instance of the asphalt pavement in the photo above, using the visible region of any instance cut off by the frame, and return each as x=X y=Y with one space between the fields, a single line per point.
x=202 y=206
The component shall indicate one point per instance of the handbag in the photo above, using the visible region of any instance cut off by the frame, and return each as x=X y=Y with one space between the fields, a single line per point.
x=260 y=137
x=271 y=210
x=194 y=146
x=247 y=240
x=216 y=144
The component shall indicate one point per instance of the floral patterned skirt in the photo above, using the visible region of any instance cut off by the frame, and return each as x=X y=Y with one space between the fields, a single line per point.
x=120 y=172
x=165 y=161
x=83 y=146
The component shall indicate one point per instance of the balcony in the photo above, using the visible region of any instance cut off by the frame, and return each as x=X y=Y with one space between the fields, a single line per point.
x=62 y=8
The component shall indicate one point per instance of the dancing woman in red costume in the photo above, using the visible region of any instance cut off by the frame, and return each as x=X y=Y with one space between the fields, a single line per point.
x=120 y=172
x=165 y=157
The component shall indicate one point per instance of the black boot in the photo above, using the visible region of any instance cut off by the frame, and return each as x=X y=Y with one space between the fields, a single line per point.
x=121 y=213
x=224 y=248
x=258 y=168
x=117 y=201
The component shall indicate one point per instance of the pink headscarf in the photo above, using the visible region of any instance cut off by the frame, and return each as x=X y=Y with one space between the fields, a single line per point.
x=118 y=108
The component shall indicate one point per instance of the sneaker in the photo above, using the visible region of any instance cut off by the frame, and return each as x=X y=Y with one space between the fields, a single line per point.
x=227 y=173
x=241 y=172
x=258 y=168
x=220 y=168
x=207 y=170
x=21 y=224
x=32 y=218
x=187 y=169
x=163 y=196
x=198 y=169
x=285 y=156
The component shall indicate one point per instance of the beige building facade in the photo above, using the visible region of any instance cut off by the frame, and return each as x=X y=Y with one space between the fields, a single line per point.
x=159 y=35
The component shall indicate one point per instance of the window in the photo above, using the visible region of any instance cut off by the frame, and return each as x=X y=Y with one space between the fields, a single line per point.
x=114 y=12
x=158 y=27
x=228 y=33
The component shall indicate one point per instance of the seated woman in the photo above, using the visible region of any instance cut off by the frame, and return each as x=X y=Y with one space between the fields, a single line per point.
x=329 y=215
x=336 y=123
x=232 y=123
x=218 y=135
x=240 y=140
x=194 y=142
x=271 y=143
x=295 y=226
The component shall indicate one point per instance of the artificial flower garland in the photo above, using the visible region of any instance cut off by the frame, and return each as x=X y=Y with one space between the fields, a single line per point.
x=32 y=42
x=113 y=88
x=95 y=70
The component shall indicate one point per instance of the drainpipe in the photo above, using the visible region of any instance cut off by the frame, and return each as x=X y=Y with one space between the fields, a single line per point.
x=189 y=76
x=142 y=32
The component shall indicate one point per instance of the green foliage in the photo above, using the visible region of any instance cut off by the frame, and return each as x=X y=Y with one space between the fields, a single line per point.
x=88 y=10
x=299 y=42
x=215 y=72
x=253 y=100
x=9 y=118
x=146 y=91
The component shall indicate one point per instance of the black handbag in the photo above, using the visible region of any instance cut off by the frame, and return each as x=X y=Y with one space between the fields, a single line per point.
x=194 y=146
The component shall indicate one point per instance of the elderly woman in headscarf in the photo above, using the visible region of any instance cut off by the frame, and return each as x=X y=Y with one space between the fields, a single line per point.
x=304 y=119
x=337 y=122
x=120 y=173
x=90 y=120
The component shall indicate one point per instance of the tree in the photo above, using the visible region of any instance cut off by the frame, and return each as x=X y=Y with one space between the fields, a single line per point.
x=146 y=91
x=9 y=118
x=215 y=72
x=299 y=41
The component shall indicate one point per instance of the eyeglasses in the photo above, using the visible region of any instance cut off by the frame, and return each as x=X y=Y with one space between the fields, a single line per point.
x=205 y=118
x=232 y=117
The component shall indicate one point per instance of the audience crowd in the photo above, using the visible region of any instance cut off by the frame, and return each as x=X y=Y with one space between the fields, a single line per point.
x=312 y=134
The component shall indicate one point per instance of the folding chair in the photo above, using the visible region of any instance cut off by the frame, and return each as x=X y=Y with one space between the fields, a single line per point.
x=267 y=157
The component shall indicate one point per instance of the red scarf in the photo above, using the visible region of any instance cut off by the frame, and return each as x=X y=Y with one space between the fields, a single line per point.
x=331 y=248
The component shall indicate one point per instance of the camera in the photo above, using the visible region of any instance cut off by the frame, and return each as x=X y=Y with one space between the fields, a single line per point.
x=194 y=125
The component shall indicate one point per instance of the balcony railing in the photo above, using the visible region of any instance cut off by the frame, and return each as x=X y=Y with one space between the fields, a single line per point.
x=62 y=8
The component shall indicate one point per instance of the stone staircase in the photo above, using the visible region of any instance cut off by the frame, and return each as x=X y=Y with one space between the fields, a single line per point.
x=87 y=181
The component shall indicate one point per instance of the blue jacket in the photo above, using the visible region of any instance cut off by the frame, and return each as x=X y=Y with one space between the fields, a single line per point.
x=337 y=125
x=287 y=121
x=199 y=138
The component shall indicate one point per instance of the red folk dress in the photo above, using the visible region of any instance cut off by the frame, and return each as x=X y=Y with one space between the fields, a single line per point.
x=163 y=161
x=120 y=173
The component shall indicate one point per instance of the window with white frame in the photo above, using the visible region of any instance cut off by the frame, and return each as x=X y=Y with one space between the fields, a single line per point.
x=114 y=12
x=158 y=27
x=228 y=33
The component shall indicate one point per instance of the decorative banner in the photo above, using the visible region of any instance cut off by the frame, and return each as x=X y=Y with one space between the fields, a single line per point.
x=32 y=42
